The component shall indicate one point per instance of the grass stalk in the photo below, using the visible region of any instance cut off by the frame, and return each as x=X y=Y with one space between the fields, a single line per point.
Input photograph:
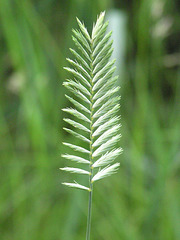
x=88 y=231
x=95 y=72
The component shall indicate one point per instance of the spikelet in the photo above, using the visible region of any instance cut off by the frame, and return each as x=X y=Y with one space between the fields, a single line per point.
x=96 y=104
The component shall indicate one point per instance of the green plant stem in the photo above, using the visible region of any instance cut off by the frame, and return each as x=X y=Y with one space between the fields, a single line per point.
x=89 y=214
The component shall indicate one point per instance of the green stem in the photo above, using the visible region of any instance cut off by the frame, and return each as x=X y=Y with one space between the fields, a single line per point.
x=89 y=216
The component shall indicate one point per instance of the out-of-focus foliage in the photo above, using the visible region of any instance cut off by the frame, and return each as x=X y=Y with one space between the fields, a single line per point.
x=144 y=201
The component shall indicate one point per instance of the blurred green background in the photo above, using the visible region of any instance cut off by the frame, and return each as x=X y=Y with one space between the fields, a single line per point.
x=142 y=201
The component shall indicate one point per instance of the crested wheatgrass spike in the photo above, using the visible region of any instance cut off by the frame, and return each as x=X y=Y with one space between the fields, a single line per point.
x=94 y=104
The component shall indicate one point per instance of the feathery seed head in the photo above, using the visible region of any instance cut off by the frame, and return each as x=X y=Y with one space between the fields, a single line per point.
x=96 y=102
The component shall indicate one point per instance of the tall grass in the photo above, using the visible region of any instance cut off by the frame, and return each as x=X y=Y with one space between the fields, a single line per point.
x=145 y=198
